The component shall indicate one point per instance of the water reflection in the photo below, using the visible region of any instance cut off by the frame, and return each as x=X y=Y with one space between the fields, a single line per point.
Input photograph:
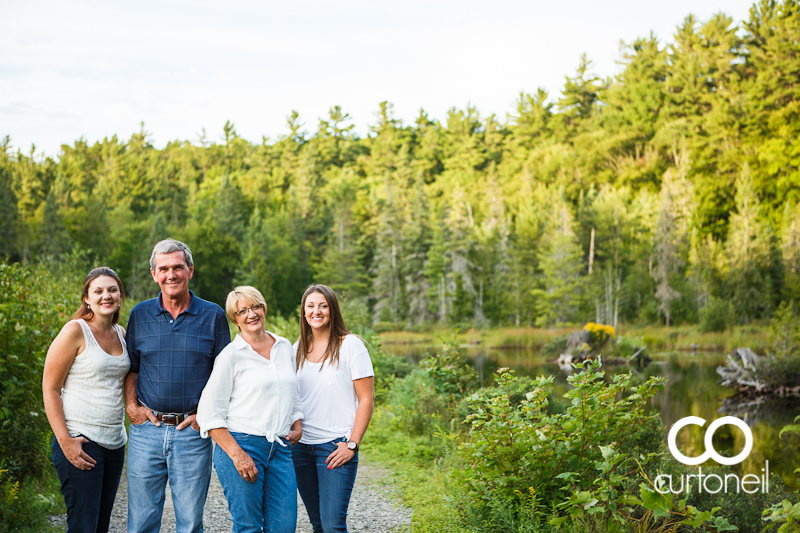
x=691 y=388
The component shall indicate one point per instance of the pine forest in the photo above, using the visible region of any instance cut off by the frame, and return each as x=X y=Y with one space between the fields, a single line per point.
x=667 y=194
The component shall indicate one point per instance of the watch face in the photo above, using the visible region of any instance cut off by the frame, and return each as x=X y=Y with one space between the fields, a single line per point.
x=352 y=445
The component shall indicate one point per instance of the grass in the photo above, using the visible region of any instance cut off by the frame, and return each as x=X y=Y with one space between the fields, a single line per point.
x=682 y=338
x=491 y=338
x=422 y=480
x=655 y=337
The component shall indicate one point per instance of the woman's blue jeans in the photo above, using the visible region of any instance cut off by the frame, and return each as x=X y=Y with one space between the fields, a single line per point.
x=89 y=494
x=325 y=493
x=271 y=501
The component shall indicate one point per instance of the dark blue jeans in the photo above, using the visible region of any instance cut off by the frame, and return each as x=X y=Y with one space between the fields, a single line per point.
x=89 y=494
x=325 y=493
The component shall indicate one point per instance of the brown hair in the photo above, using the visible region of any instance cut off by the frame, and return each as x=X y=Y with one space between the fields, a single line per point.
x=84 y=311
x=336 y=327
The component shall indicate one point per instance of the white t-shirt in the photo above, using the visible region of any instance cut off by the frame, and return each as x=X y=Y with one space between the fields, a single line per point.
x=328 y=396
x=249 y=394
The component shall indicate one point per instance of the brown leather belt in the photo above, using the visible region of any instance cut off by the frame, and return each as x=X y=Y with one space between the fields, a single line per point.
x=173 y=419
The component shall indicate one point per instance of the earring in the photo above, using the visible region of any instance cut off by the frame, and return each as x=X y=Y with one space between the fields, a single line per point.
x=88 y=307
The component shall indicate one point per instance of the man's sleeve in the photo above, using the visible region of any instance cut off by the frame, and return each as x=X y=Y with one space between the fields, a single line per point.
x=222 y=332
x=130 y=342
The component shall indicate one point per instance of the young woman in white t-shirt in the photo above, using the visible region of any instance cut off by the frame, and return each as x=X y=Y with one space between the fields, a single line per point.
x=337 y=390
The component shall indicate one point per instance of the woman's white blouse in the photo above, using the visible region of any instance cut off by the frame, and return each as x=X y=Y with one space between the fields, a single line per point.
x=248 y=393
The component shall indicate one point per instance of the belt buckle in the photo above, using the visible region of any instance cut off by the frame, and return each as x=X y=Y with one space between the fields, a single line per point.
x=170 y=420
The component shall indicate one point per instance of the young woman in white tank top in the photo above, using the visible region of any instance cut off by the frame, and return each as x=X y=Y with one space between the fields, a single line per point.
x=82 y=388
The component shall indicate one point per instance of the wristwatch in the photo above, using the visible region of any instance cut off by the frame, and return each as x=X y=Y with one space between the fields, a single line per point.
x=352 y=445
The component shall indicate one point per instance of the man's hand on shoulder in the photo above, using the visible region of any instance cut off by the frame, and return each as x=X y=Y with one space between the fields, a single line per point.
x=139 y=414
x=191 y=419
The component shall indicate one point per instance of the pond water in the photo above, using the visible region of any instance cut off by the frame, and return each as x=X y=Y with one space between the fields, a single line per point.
x=691 y=389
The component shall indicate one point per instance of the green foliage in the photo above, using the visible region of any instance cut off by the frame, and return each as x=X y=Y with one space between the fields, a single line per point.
x=513 y=449
x=285 y=327
x=717 y=316
x=781 y=368
x=785 y=515
x=22 y=507
x=555 y=347
x=785 y=331
x=525 y=461
x=625 y=347
x=34 y=305
x=388 y=368
x=451 y=374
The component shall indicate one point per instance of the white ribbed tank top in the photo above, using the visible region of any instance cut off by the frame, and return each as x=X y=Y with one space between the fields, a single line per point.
x=92 y=392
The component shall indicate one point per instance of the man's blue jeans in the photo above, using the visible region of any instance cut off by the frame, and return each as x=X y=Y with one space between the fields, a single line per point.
x=270 y=502
x=325 y=493
x=89 y=494
x=156 y=454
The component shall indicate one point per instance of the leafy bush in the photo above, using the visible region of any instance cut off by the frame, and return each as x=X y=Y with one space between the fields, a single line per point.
x=555 y=347
x=285 y=327
x=783 y=368
x=388 y=368
x=513 y=449
x=451 y=374
x=34 y=305
x=785 y=514
x=716 y=317
x=22 y=508
x=416 y=410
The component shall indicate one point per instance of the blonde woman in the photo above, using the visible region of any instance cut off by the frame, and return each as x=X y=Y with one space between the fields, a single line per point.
x=250 y=407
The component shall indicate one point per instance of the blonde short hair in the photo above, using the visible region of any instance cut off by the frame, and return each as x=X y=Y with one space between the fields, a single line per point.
x=243 y=293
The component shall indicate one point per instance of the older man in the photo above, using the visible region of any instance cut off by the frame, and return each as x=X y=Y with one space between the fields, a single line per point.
x=172 y=341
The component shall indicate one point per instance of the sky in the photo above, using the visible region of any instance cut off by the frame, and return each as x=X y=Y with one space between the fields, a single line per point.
x=95 y=69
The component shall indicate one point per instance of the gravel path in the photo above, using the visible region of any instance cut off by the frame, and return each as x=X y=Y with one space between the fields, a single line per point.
x=374 y=507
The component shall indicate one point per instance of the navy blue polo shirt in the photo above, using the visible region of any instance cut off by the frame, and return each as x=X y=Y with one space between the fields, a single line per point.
x=174 y=357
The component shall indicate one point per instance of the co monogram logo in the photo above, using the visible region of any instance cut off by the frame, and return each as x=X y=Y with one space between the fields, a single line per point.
x=710 y=451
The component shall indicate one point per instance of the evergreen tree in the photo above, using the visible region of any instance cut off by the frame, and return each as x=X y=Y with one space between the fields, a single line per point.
x=9 y=217
x=560 y=300
x=748 y=251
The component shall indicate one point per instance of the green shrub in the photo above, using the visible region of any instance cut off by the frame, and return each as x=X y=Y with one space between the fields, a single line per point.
x=586 y=469
x=388 y=368
x=555 y=347
x=515 y=449
x=23 y=507
x=785 y=513
x=451 y=374
x=285 y=327
x=716 y=317
x=34 y=305
x=417 y=408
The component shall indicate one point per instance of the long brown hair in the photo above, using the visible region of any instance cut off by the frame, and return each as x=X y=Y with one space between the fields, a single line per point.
x=336 y=327
x=84 y=311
